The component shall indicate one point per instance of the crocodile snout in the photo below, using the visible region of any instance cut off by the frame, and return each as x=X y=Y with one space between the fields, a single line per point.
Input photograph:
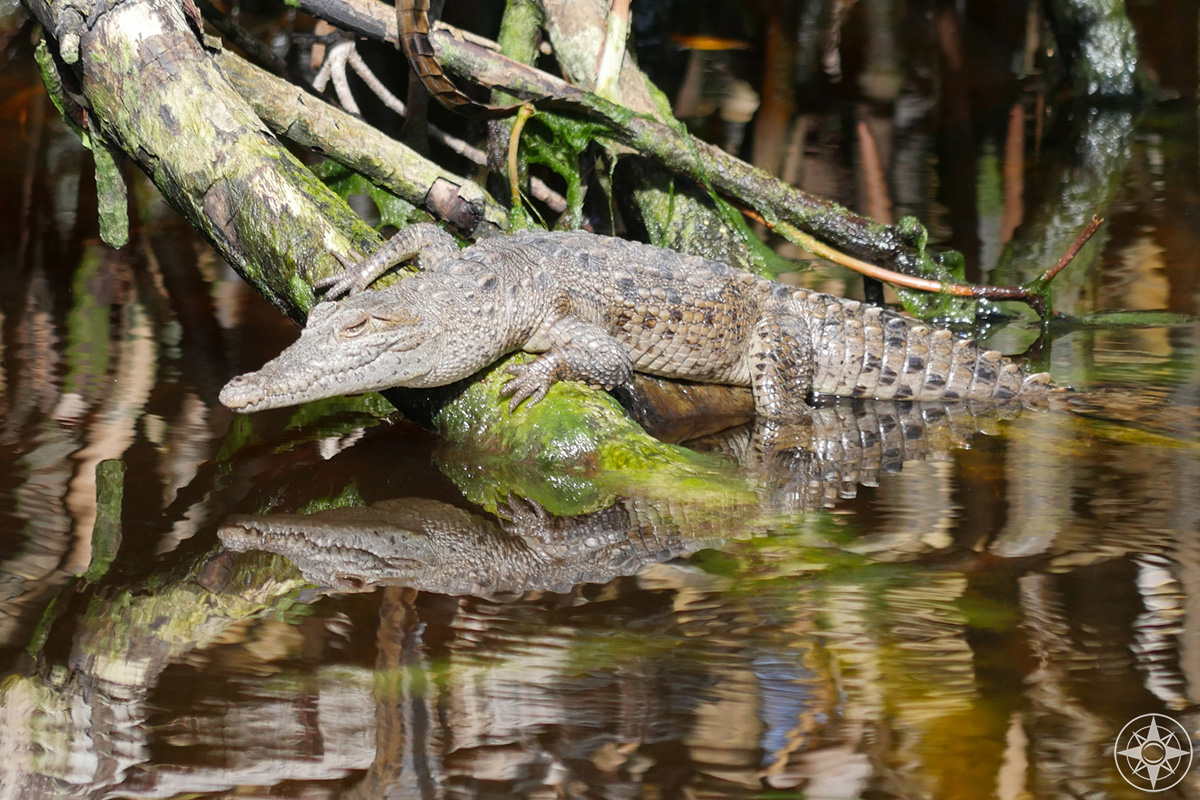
x=241 y=393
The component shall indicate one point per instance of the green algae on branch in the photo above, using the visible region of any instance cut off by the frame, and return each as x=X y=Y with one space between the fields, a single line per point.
x=111 y=194
x=579 y=442
x=180 y=610
x=558 y=142
x=106 y=533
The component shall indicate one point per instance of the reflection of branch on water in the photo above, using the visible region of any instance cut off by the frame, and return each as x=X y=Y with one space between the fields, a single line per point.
x=1071 y=737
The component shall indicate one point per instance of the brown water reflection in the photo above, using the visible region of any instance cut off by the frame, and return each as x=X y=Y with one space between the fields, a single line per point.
x=911 y=601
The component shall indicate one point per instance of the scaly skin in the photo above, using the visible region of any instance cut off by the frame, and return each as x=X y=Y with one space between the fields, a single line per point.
x=434 y=546
x=412 y=20
x=597 y=308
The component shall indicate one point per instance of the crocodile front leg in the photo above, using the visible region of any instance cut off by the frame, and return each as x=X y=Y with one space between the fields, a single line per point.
x=427 y=242
x=781 y=369
x=578 y=351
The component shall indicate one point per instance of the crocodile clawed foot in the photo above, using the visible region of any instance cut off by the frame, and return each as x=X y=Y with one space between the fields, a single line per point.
x=523 y=512
x=344 y=282
x=528 y=382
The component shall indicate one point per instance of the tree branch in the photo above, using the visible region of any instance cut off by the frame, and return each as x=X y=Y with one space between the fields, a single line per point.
x=309 y=121
x=155 y=93
x=900 y=245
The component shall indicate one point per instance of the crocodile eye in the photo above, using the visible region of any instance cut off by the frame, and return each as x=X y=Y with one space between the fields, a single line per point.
x=355 y=328
x=351 y=582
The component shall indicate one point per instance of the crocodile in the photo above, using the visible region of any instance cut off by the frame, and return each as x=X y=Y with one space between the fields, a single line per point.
x=596 y=308
x=434 y=546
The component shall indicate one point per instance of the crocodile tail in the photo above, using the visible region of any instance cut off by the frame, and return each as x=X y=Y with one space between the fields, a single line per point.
x=866 y=351
x=412 y=19
x=958 y=368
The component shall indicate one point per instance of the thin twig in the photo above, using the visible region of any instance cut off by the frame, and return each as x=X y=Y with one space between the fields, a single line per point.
x=339 y=54
x=822 y=250
x=375 y=85
x=514 y=140
x=1029 y=293
x=1072 y=251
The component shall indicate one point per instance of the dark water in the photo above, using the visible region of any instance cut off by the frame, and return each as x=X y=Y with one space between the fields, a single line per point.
x=919 y=601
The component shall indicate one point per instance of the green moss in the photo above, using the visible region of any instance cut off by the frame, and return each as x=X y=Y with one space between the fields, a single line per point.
x=371 y=405
x=580 y=439
x=54 y=88
x=947 y=267
x=519 y=30
x=557 y=142
x=393 y=210
x=239 y=436
x=112 y=196
x=106 y=533
x=349 y=496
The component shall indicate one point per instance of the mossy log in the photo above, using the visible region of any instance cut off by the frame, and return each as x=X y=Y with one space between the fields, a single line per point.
x=156 y=94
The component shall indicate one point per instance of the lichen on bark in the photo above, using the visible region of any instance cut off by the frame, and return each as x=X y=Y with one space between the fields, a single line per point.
x=158 y=96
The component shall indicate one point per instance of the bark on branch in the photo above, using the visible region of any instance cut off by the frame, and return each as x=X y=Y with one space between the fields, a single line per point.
x=900 y=245
x=157 y=95
x=310 y=121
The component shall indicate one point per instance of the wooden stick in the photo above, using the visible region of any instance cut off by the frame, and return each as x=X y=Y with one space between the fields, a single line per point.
x=514 y=141
x=1030 y=293
x=1073 y=250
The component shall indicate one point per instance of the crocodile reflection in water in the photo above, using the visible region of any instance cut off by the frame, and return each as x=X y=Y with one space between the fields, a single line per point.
x=434 y=546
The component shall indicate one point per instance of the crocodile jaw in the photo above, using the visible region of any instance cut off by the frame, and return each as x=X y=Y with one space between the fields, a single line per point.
x=333 y=558
x=315 y=368
x=256 y=391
